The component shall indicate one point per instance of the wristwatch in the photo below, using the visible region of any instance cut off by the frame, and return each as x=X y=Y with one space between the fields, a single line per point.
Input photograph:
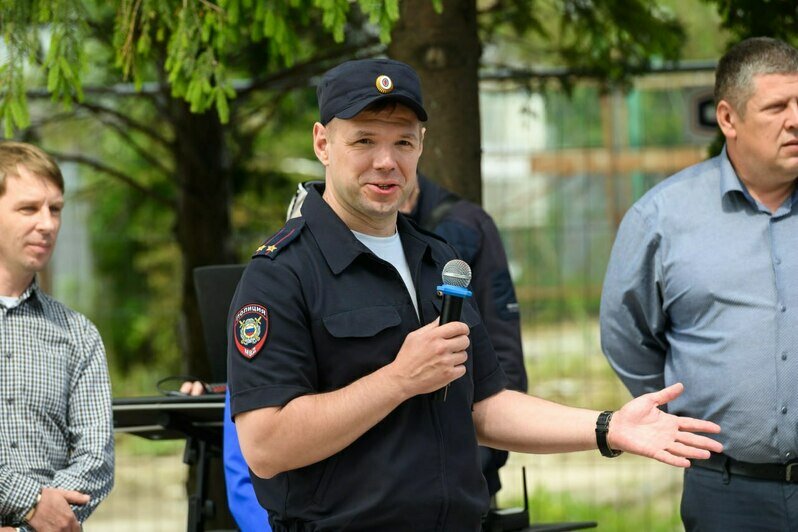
x=32 y=511
x=602 y=428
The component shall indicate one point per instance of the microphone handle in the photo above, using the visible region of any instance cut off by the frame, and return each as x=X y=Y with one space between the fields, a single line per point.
x=450 y=311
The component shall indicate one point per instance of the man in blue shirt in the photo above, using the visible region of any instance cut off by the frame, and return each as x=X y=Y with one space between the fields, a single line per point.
x=702 y=289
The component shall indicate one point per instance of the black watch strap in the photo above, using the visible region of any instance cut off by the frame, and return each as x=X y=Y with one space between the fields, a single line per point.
x=602 y=428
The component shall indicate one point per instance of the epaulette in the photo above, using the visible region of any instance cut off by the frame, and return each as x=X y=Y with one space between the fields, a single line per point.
x=279 y=240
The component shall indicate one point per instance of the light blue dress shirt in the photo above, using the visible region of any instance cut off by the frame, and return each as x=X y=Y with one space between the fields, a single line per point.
x=702 y=288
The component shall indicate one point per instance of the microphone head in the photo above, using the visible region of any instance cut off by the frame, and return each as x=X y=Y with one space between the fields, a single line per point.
x=456 y=272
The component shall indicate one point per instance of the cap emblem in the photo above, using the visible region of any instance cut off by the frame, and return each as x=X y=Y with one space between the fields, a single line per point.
x=384 y=84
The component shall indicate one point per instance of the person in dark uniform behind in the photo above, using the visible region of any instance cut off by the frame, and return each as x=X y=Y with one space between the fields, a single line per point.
x=473 y=233
x=336 y=351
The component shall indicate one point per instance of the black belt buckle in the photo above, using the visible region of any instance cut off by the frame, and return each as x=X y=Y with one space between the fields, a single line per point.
x=788 y=476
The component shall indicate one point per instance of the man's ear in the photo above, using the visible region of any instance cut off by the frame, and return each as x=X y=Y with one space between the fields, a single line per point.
x=421 y=142
x=727 y=118
x=321 y=143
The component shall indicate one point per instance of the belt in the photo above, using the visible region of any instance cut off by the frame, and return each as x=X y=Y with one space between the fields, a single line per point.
x=725 y=464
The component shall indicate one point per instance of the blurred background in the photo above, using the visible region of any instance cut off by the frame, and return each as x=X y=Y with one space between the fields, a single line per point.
x=183 y=127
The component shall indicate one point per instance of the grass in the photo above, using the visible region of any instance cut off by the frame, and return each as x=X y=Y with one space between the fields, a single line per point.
x=548 y=507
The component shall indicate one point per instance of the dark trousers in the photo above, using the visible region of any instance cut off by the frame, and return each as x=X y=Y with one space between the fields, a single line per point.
x=713 y=501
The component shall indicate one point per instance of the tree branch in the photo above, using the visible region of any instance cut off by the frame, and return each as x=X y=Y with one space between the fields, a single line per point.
x=298 y=75
x=129 y=122
x=142 y=152
x=113 y=172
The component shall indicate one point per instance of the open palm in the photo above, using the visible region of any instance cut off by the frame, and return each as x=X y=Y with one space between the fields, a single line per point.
x=640 y=427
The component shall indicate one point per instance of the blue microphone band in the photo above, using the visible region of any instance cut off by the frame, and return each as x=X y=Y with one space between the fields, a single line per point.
x=451 y=290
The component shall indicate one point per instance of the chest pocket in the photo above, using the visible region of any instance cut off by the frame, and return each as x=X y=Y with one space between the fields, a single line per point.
x=356 y=343
x=361 y=323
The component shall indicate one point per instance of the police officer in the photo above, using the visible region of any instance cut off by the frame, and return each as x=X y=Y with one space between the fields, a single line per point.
x=335 y=347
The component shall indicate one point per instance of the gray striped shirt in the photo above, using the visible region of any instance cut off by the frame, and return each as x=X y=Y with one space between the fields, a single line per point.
x=56 y=426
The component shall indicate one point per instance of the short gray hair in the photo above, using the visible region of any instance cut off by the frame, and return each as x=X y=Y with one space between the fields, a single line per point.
x=734 y=76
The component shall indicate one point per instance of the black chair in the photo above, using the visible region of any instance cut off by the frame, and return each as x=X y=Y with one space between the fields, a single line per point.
x=215 y=286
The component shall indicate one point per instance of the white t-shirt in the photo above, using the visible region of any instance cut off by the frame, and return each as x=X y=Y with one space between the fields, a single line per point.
x=9 y=302
x=389 y=249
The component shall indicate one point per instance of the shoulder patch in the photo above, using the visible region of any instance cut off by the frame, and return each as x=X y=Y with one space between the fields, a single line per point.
x=278 y=241
x=250 y=329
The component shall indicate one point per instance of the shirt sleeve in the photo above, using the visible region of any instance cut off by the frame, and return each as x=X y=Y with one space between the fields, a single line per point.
x=17 y=494
x=495 y=296
x=632 y=317
x=90 y=468
x=272 y=362
x=241 y=499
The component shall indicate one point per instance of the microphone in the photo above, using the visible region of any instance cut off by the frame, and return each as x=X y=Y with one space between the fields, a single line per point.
x=456 y=276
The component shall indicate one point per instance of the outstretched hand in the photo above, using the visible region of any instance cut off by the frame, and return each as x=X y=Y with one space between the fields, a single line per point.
x=642 y=428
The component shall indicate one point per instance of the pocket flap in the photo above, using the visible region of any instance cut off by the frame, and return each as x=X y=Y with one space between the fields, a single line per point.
x=361 y=323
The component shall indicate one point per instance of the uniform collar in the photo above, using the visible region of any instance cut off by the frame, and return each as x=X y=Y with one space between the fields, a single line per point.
x=340 y=247
x=430 y=196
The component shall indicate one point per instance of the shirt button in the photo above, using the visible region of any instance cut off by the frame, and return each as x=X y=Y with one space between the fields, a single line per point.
x=784 y=355
x=8 y=355
x=783 y=409
x=10 y=400
x=13 y=445
x=788 y=455
x=777 y=260
x=782 y=307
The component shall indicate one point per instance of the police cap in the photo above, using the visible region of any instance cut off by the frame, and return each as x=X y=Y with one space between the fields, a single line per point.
x=350 y=87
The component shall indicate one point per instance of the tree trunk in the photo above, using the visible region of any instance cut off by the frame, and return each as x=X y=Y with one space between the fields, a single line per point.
x=203 y=230
x=203 y=218
x=444 y=49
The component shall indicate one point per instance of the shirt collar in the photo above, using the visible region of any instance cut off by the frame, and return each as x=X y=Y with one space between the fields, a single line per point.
x=32 y=290
x=337 y=243
x=730 y=182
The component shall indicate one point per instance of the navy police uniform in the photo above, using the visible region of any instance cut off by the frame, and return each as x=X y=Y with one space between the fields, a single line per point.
x=473 y=233
x=315 y=311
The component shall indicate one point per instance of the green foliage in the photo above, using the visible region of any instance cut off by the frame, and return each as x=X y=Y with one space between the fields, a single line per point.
x=24 y=26
x=197 y=42
x=752 y=18
x=618 y=36
x=609 y=40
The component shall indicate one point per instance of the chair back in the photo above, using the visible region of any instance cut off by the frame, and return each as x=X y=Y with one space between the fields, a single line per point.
x=215 y=286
